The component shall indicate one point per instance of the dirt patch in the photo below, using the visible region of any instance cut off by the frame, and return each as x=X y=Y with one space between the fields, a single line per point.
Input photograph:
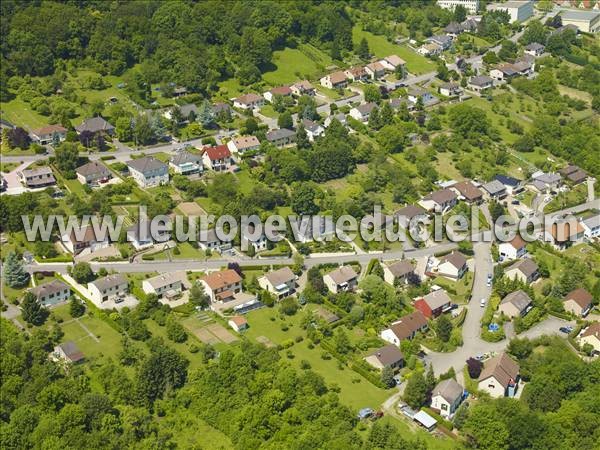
x=221 y=332
x=265 y=341
x=191 y=209
x=206 y=336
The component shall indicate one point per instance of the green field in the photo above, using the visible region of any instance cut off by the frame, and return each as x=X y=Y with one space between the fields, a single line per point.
x=292 y=64
x=108 y=339
x=20 y=114
x=381 y=47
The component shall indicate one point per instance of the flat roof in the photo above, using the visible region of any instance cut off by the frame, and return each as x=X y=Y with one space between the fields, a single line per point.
x=570 y=14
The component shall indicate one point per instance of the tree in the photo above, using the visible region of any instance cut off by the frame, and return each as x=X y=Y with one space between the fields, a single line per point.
x=386 y=114
x=415 y=393
x=14 y=271
x=387 y=377
x=443 y=328
x=391 y=138
x=32 y=310
x=175 y=331
x=303 y=199
x=508 y=51
x=206 y=115
x=285 y=120
x=363 y=51
x=474 y=366
x=460 y=13
x=342 y=341
x=485 y=427
x=76 y=308
x=442 y=71
x=534 y=32
x=18 y=138
x=288 y=306
x=372 y=93
x=525 y=143
x=469 y=121
x=490 y=58
x=67 y=158
x=302 y=141
x=82 y=272
x=374 y=121
x=142 y=130
x=198 y=296
x=123 y=129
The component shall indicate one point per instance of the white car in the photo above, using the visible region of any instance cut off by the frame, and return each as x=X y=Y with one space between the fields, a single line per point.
x=482 y=302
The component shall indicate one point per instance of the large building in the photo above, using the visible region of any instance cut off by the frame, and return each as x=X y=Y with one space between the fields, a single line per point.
x=519 y=10
x=470 y=5
x=585 y=21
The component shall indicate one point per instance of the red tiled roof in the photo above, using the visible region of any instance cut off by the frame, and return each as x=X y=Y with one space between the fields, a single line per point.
x=217 y=152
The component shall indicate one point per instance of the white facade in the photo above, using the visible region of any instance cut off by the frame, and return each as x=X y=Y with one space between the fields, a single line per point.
x=102 y=295
x=519 y=10
x=445 y=408
x=470 y=5
x=508 y=252
x=389 y=336
x=492 y=386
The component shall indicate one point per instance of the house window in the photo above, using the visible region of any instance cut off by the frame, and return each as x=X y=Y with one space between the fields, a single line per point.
x=444 y=407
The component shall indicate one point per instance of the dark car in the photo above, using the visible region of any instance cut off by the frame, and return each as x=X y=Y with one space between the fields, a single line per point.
x=566 y=330
x=515 y=202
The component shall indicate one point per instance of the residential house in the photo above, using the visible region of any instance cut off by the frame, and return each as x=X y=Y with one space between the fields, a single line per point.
x=388 y=356
x=187 y=112
x=518 y=10
x=281 y=137
x=500 y=376
x=356 y=74
x=108 y=287
x=545 y=181
x=217 y=158
x=442 y=40
x=243 y=144
x=450 y=89
x=222 y=286
x=362 y=112
x=513 y=186
x=591 y=336
x=238 y=323
x=439 y=201
x=179 y=91
x=84 y=238
x=37 y=178
x=453 y=29
x=535 y=49
x=452 y=265
x=210 y=241
x=140 y=236
x=283 y=91
x=434 y=304
x=563 y=234
x=280 y=282
x=67 y=352
x=375 y=70
x=392 y=63
x=221 y=109
x=446 y=397
x=469 y=192
x=396 y=103
x=168 y=285
x=259 y=243
x=585 y=21
x=513 y=249
x=470 y=24
x=521 y=67
x=335 y=80
x=342 y=279
x=186 y=163
x=515 y=304
x=405 y=328
x=591 y=226
x=525 y=270
x=578 y=302
x=398 y=272
x=574 y=174
x=430 y=49
x=51 y=293
x=415 y=93
x=480 y=83
x=51 y=134
x=340 y=117
x=313 y=129
x=93 y=173
x=96 y=125
x=495 y=190
x=148 y=171
x=248 y=101
x=303 y=87
x=409 y=213
x=472 y=6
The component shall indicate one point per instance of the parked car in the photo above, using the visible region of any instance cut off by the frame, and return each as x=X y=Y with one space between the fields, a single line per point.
x=489 y=279
x=482 y=303
x=515 y=202
x=567 y=329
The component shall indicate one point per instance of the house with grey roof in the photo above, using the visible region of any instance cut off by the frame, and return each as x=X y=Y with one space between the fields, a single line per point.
x=167 y=285
x=37 y=178
x=398 y=272
x=585 y=21
x=209 y=240
x=148 y=171
x=281 y=137
x=452 y=265
x=439 y=201
x=108 y=287
x=495 y=190
x=96 y=125
x=545 y=181
x=51 y=293
x=480 y=83
x=446 y=397
x=515 y=304
x=313 y=129
x=388 y=356
x=535 y=49
x=344 y=278
x=67 y=352
x=525 y=270
x=362 y=112
x=591 y=226
x=280 y=282
x=93 y=173
x=500 y=376
x=186 y=163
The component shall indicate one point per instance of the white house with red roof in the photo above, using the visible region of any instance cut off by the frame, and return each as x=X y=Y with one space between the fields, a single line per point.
x=217 y=158
x=514 y=249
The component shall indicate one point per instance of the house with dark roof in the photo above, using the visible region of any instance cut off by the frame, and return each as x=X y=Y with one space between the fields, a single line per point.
x=578 y=302
x=443 y=40
x=148 y=171
x=67 y=352
x=187 y=112
x=51 y=293
x=342 y=279
x=525 y=270
x=452 y=265
x=281 y=137
x=469 y=192
x=439 y=201
x=545 y=181
x=480 y=83
x=217 y=158
x=108 y=287
x=96 y=125
x=434 y=304
x=388 y=356
x=37 y=178
x=515 y=304
x=209 y=240
x=84 y=238
x=186 y=163
x=453 y=29
x=410 y=212
x=495 y=190
x=512 y=185
x=450 y=89
x=93 y=173
x=574 y=174
x=500 y=376
x=535 y=49
x=398 y=272
x=446 y=397
x=405 y=328
x=313 y=129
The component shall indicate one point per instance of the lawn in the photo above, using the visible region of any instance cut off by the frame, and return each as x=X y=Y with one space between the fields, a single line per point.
x=292 y=64
x=460 y=290
x=261 y=325
x=20 y=114
x=268 y=111
x=381 y=47
x=563 y=200
x=189 y=431
x=109 y=340
x=181 y=347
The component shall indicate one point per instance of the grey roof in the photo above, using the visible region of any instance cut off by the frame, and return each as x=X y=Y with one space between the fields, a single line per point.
x=187 y=109
x=71 y=350
x=535 y=46
x=449 y=389
x=441 y=38
x=311 y=126
x=437 y=299
x=519 y=299
x=93 y=168
x=457 y=259
x=183 y=157
x=37 y=172
x=494 y=187
x=502 y=368
x=110 y=281
x=526 y=266
x=450 y=86
x=480 y=80
x=579 y=15
x=53 y=287
x=410 y=211
x=280 y=276
x=387 y=355
x=592 y=222
x=548 y=178
x=366 y=108
x=165 y=279
x=342 y=274
x=453 y=27
x=146 y=164
x=401 y=268
x=94 y=125
x=280 y=133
